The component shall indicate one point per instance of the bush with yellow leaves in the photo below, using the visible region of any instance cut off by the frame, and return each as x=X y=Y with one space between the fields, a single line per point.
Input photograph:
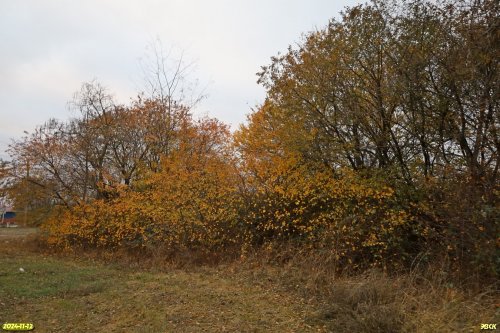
x=191 y=202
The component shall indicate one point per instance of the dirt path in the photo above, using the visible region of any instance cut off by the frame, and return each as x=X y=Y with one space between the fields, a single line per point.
x=6 y=233
x=62 y=295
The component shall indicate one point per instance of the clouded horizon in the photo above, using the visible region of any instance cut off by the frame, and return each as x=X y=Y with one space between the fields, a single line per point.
x=49 y=48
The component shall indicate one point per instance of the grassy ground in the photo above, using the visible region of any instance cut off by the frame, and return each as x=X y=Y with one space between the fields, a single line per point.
x=62 y=295
x=7 y=233
x=94 y=294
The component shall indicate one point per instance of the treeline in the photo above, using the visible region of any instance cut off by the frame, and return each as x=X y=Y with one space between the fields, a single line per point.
x=377 y=142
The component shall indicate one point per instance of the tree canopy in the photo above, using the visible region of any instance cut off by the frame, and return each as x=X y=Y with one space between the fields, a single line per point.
x=372 y=129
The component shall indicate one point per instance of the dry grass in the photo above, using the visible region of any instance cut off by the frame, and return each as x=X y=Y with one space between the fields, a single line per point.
x=17 y=232
x=272 y=290
x=422 y=300
x=71 y=294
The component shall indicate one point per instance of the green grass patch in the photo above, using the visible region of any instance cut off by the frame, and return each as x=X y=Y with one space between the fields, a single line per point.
x=42 y=277
x=71 y=294
x=68 y=295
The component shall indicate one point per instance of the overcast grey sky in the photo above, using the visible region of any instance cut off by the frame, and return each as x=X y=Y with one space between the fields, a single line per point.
x=49 y=48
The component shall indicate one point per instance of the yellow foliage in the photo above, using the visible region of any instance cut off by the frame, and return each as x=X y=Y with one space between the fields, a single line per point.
x=204 y=197
x=191 y=202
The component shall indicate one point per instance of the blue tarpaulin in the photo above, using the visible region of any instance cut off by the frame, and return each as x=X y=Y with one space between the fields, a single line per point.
x=9 y=215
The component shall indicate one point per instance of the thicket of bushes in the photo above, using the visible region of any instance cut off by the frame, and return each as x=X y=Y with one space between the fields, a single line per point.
x=377 y=142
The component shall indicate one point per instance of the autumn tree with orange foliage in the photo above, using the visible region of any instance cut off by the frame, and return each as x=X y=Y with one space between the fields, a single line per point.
x=402 y=94
x=372 y=131
x=190 y=202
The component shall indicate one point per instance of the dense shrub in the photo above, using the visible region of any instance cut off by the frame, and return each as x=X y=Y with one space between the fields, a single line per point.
x=377 y=142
